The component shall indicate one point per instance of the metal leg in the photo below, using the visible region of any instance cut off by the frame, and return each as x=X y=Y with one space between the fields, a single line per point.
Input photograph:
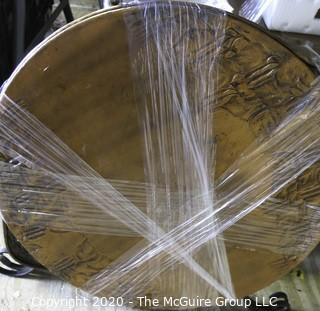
x=67 y=12
x=19 y=30
x=101 y=4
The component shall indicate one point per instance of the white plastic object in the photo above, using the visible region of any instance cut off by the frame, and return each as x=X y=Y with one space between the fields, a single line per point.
x=220 y=4
x=301 y=16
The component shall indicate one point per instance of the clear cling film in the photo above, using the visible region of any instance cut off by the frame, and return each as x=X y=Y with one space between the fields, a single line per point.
x=27 y=194
x=253 y=9
x=46 y=151
x=184 y=213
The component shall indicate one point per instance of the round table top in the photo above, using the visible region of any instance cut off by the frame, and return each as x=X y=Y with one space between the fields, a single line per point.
x=78 y=83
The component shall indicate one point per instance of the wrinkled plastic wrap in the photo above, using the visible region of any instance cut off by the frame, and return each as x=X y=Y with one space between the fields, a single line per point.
x=253 y=9
x=180 y=212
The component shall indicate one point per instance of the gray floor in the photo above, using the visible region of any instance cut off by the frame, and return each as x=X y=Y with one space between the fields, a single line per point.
x=302 y=285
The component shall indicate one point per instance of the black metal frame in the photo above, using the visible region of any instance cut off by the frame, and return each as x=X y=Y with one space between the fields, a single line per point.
x=101 y=4
x=19 y=48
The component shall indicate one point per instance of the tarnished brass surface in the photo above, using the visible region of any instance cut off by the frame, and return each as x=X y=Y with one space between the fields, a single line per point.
x=79 y=85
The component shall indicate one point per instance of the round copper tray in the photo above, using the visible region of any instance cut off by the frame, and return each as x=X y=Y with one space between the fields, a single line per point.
x=78 y=83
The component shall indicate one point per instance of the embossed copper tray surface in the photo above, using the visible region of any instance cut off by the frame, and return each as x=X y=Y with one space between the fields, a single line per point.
x=79 y=85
